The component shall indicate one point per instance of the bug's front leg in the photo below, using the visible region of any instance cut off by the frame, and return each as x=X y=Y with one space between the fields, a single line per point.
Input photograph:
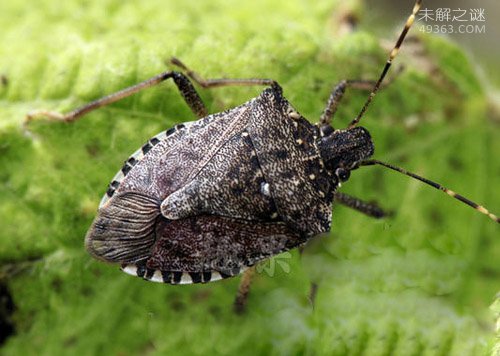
x=336 y=96
x=367 y=208
x=338 y=92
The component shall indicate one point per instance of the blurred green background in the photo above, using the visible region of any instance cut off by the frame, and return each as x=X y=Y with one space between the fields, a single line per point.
x=420 y=282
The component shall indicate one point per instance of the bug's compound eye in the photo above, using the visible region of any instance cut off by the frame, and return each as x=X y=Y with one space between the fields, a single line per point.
x=342 y=174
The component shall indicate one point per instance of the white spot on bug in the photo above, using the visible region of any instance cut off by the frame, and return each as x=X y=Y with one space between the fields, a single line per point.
x=312 y=177
x=130 y=269
x=244 y=134
x=103 y=201
x=157 y=277
x=215 y=276
x=274 y=215
x=299 y=141
x=186 y=279
x=292 y=113
x=264 y=189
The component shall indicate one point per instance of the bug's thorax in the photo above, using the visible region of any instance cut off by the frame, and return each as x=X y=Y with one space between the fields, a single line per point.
x=343 y=150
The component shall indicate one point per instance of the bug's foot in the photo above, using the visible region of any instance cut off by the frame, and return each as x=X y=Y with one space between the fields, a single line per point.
x=40 y=114
x=177 y=62
x=239 y=305
x=50 y=115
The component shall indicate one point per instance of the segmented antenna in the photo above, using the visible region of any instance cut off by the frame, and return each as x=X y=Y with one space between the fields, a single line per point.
x=393 y=54
x=451 y=193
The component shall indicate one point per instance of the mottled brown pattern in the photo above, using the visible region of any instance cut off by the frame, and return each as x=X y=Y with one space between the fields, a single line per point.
x=299 y=202
x=229 y=185
x=178 y=158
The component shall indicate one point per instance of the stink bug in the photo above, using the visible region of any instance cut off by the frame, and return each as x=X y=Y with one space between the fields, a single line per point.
x=206 y=200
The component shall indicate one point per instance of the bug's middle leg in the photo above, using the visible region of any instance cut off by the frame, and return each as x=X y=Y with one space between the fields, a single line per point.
x=370 y=209
x=243 y=290
x=313 y=285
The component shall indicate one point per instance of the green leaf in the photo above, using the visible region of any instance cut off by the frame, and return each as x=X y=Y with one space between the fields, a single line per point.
x=416 y=283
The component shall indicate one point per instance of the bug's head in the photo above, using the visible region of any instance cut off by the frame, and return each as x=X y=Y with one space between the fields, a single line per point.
x=343 y=150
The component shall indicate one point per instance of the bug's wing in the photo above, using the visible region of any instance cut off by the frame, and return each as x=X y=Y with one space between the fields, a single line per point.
x=174 y=157
x=206 y=248
x=124 y=229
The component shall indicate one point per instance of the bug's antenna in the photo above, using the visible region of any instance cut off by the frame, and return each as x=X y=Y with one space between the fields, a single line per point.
x=451 y=193
x=393 y=54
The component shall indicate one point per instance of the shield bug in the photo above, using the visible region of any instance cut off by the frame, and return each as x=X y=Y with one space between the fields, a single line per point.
x=208 y=199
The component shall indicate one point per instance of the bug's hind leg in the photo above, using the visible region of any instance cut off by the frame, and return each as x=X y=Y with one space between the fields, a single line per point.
x=370 y=209
x=181 y=80
x=241 y=299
